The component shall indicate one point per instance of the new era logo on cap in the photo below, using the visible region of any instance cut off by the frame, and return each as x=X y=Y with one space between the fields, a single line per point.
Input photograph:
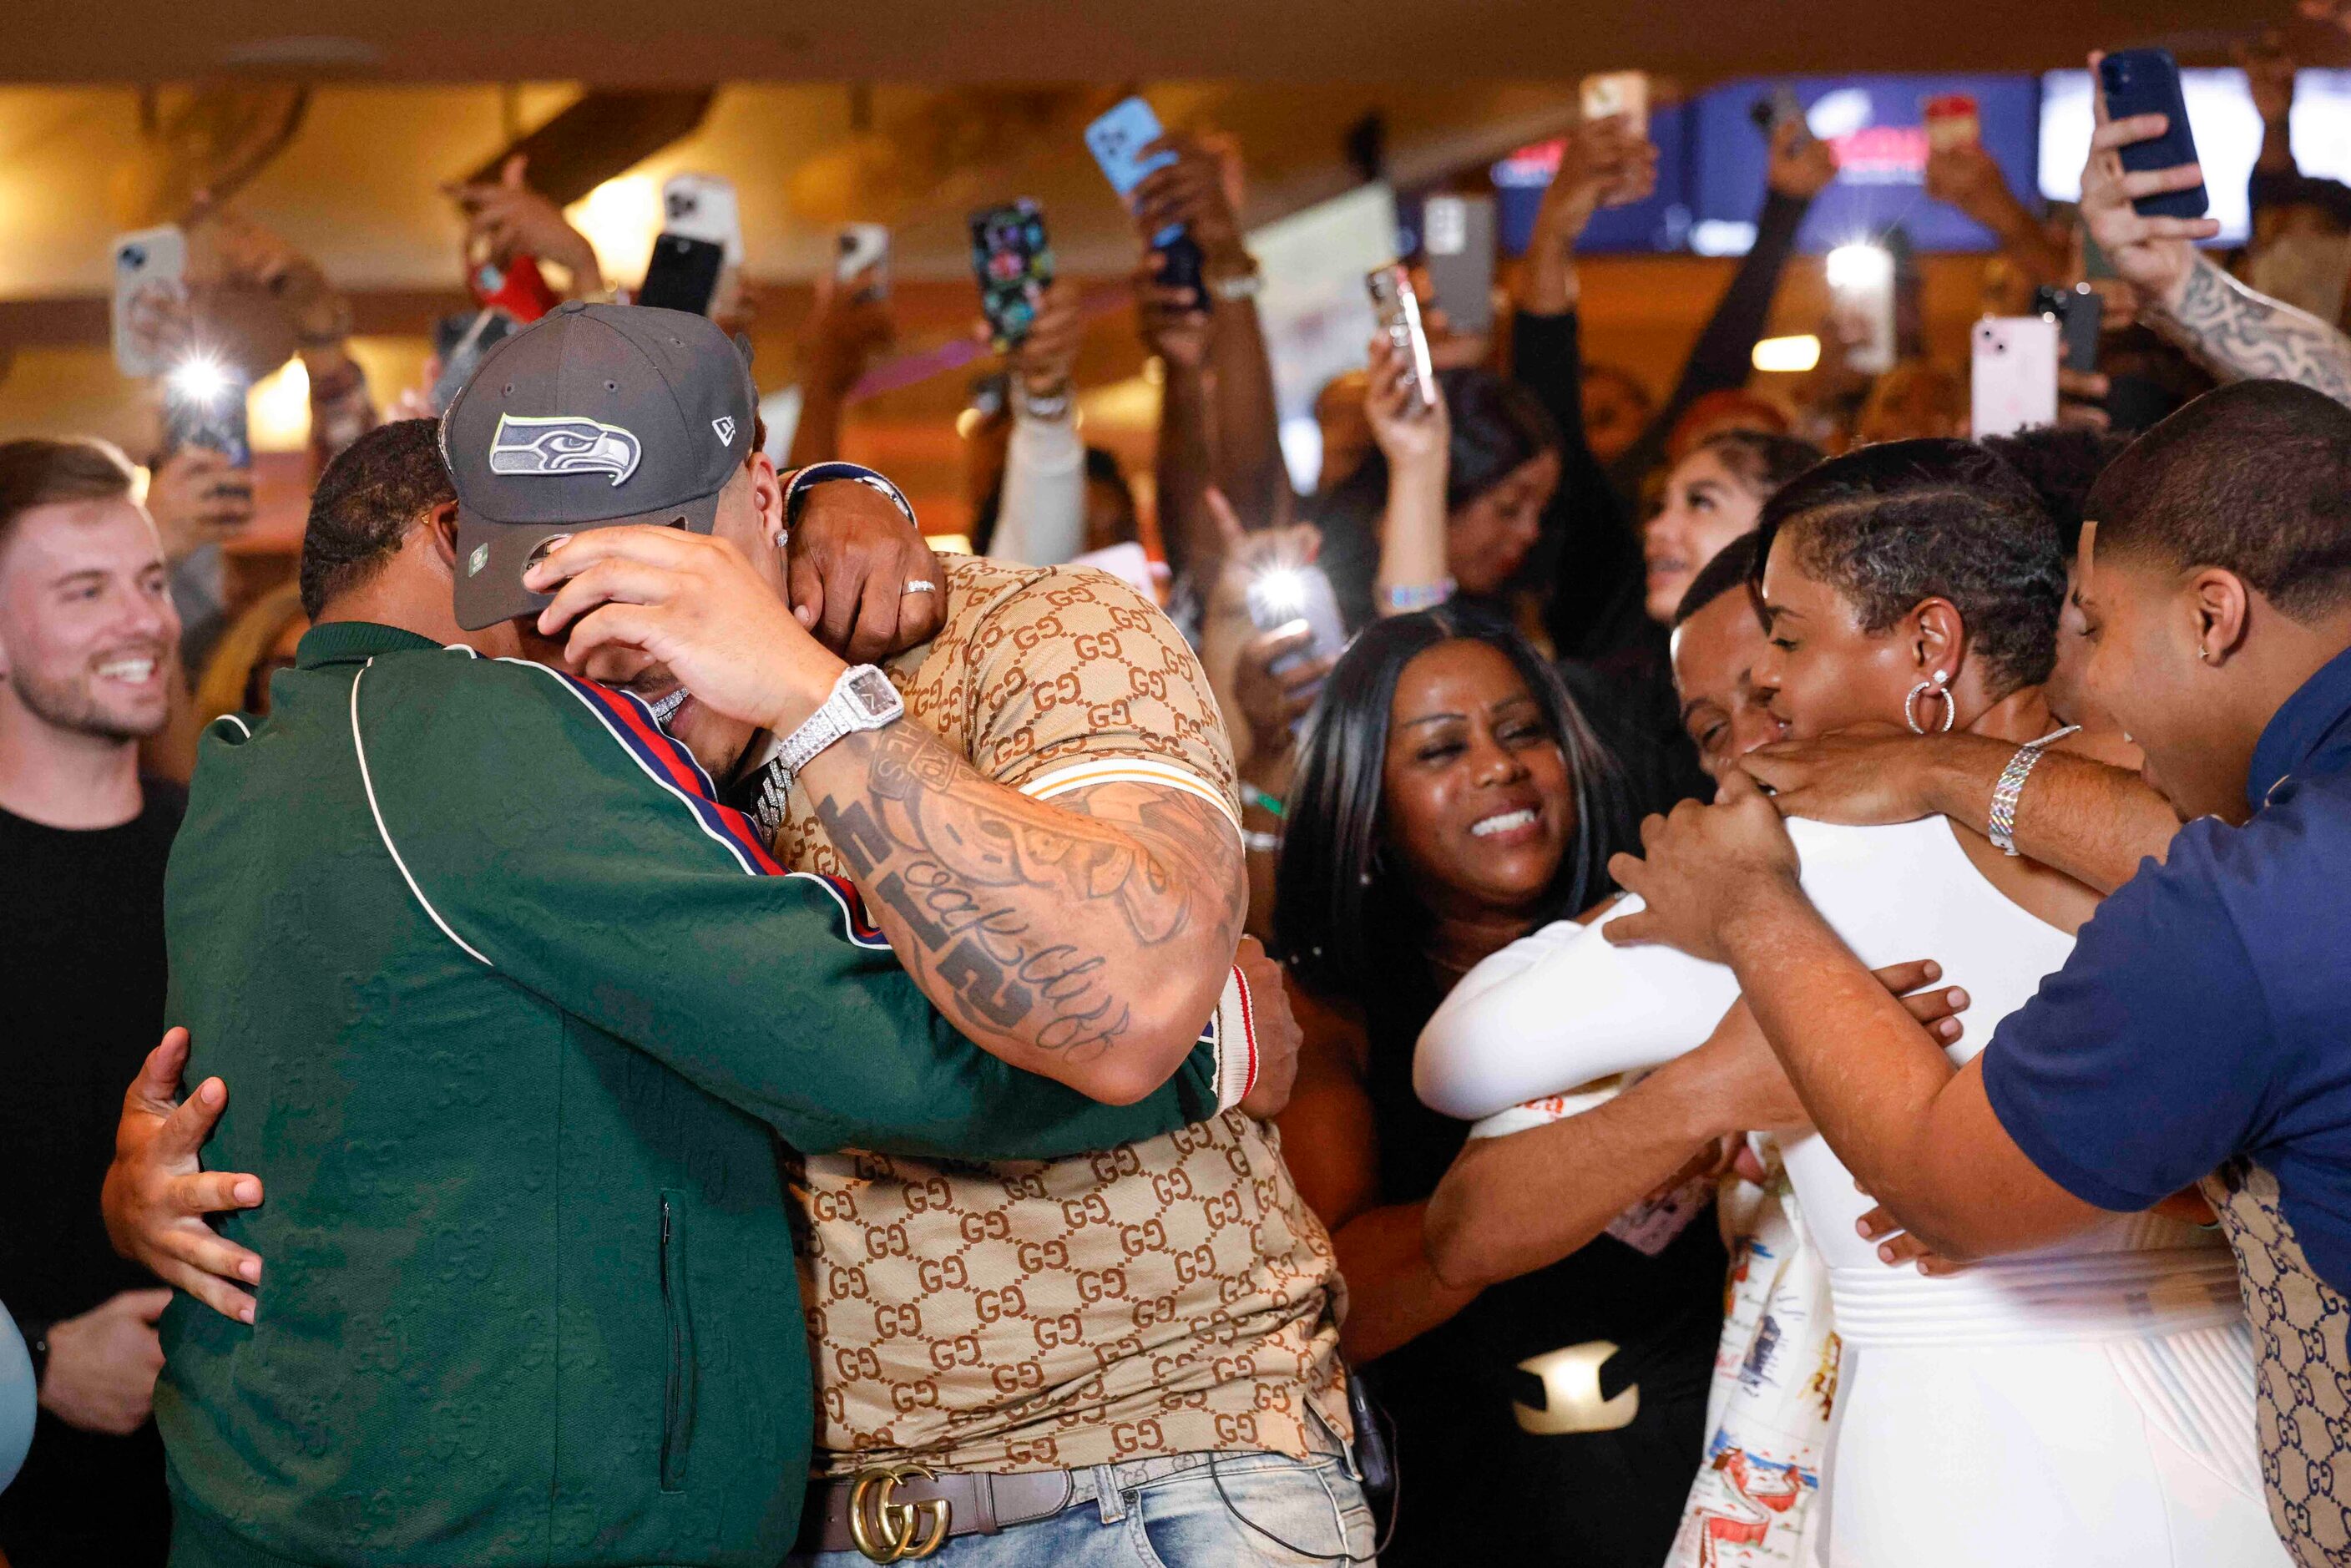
x=725 y=427
x=567 y=444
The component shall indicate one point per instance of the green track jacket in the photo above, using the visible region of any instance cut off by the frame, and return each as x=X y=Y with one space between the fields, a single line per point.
x=511 y=1012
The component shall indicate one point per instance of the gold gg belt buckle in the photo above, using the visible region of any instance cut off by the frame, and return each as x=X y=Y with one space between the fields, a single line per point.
x=887 y=1531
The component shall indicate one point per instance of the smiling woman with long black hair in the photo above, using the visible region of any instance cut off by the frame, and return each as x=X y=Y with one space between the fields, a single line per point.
x=1449 y=799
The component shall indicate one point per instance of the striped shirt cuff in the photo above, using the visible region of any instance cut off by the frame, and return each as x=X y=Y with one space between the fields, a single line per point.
x=1055 y=782
x=1236 y=1042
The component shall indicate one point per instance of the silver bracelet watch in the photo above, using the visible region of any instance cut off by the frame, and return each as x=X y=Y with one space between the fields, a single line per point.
x=862 y=699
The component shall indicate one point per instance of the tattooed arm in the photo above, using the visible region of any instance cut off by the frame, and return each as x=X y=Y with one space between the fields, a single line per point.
x=1085 y=939
x=2239 y=334
x=2234 y=333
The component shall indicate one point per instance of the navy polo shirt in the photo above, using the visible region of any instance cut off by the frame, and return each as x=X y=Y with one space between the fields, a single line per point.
x=2206 y=1010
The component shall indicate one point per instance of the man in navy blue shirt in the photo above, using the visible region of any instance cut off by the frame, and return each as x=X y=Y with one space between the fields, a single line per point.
x=2199 y=1031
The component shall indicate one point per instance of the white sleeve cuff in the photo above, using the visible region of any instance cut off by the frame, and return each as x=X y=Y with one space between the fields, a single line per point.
x=1542 y=1112
x=1236 y=1027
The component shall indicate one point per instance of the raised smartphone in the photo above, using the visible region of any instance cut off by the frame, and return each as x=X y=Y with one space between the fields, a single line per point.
x=150 y=262
x=1280 y=594
x=2080 y=313
x=1456 y=240
x=207 y=409
x=701 y=206
x=2014 y=384
x=1014 y=264
x=682 y=274
x=1117 y=139
x=1952 y=120
x=2147 y=81
x=862 y=251
x=1398 y=310
x=1610 y=93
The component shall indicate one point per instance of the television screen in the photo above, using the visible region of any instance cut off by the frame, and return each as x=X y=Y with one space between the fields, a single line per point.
x=2228 y=135
x=1874 y=124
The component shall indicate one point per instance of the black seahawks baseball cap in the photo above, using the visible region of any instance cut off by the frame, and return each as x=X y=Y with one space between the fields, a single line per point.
x=595 y=416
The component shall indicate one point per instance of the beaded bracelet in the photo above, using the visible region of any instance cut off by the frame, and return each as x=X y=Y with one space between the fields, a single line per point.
x=1407 y=598
x=1253 y=796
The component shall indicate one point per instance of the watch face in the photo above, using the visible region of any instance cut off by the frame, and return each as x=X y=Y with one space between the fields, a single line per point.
x=871 y=690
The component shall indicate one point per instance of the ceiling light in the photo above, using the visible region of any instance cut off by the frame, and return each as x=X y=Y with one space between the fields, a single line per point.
x=1798 y=353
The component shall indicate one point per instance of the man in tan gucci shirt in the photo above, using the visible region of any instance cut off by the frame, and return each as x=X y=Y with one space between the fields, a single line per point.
x=1069 y=1345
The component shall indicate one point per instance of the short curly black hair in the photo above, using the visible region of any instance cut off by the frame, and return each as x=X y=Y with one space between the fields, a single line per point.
x=2060 y=464
x=1892 y=525
x=2254 y=478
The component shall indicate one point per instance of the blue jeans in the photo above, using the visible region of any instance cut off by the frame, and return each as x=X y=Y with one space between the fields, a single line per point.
x=1167 y=1513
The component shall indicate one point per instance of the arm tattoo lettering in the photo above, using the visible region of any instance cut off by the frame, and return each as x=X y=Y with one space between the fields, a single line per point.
x=1005 y=899
x=2241 y=335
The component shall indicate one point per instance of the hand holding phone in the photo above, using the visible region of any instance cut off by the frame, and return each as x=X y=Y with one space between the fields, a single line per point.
x=2135 y=82
x=1616 y=110
x=1014 y=264
x=2154 y=253
x=1607 y=94
x=204 y=405
x=1952 y=120
x=1398 y=310
x=1117 y=140
x=1281 y=594
x=862 y=256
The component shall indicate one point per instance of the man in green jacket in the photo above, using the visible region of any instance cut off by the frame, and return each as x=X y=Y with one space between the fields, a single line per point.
x=512 y=1004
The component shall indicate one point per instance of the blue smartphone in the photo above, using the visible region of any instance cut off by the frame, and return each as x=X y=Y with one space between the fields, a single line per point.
x=2147 y=81
x=1117 y=139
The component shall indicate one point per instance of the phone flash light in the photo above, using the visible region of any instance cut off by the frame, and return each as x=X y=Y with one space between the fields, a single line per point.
x=200 y=381
x=1281 y=591
x=1798 y=354
x=1852 y=268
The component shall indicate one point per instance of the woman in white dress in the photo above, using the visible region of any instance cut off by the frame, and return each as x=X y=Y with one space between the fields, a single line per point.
x=2091 y=1404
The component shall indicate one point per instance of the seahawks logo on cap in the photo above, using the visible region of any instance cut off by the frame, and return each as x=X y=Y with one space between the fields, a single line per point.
x=566 y=444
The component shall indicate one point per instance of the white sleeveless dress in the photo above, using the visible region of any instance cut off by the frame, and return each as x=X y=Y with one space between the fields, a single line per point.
x=2085 y=1405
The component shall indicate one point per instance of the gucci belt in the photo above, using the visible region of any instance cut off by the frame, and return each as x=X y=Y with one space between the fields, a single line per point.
x=905 y=1511
x=890 y=1532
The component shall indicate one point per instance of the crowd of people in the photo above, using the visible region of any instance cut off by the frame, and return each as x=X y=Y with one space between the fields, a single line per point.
x=1767 y=999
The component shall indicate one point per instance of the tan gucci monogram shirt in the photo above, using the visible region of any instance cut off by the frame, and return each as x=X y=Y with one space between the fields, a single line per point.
x=1159 y=1297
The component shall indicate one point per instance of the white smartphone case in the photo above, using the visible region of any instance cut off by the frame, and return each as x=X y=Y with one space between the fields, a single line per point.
x=2014 y=384
x=148 y=260
x=701 y=206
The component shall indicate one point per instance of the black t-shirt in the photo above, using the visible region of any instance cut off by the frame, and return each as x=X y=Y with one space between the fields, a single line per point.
x=81 y=962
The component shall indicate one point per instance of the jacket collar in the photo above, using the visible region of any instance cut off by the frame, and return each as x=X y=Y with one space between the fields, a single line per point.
x=354 y=643
x=2315 y=719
